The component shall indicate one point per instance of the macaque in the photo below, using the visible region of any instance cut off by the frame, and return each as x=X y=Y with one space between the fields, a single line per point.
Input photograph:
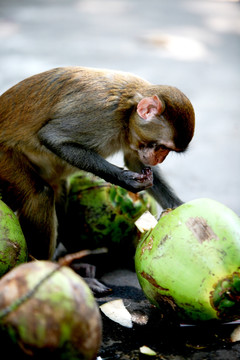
x=57 y=122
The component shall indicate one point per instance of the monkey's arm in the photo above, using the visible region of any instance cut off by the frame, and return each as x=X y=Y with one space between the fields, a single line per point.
x=160 y=190
x=88 y=160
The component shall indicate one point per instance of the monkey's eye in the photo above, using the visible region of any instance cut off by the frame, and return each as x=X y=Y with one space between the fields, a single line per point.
x=161 y=147
x=151 y=145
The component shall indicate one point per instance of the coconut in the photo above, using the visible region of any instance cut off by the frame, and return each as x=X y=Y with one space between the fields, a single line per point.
x=100 y=214
x=13 y=247
x=189 y=264
x=48 y=310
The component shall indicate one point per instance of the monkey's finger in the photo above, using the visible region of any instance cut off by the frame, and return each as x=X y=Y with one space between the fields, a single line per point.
x=145 y=177
x=147 y=171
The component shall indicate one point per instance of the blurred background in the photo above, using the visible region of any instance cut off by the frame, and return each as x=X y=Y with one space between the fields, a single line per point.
x=193 y=45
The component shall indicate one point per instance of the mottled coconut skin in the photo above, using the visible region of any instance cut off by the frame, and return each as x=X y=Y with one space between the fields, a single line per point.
x=61 y=318
x=13 y=247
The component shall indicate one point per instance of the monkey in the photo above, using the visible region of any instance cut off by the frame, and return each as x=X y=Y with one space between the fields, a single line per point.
x=59 y=121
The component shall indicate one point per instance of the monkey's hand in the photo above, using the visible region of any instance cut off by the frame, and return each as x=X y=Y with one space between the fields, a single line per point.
x=148 y=172
x=135 y=182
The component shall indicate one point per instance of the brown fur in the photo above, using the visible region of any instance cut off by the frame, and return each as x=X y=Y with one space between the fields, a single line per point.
x=55 y=122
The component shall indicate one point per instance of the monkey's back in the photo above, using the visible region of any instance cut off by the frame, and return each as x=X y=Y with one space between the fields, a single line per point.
x=28 y=105
x=88 y=99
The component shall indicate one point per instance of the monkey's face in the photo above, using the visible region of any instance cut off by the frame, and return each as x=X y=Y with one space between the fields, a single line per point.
x=152 y=140
x=155 y=129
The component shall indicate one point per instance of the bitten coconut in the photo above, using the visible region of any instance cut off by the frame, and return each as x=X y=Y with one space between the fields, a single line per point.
x=189 y=264
x=47 y=310
x=100 y=214
x=13 y=247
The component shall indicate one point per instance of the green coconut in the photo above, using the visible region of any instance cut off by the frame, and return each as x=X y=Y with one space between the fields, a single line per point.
x=188 y=265
x=100 y=214
x=48 y=311
x=13 y=247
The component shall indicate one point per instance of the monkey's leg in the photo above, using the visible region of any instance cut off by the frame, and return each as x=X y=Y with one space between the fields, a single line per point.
x=33 y=200
x=160 y=190
x=38 y=221
x=61 y=203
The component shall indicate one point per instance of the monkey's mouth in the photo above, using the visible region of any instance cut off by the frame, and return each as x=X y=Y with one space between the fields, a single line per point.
x=150 y=162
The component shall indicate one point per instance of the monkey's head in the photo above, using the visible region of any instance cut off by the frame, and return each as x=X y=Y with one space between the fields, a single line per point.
x=161 y=123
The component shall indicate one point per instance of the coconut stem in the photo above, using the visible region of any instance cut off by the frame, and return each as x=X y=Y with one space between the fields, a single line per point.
x=64 y=261
x=7 y=310
x=226 y=297
x=69 y=258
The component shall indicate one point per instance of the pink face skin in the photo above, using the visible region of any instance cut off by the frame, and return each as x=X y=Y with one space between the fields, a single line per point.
x=151 y=157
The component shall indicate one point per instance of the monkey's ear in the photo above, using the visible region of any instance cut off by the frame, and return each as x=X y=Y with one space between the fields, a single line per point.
x=148 y=107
